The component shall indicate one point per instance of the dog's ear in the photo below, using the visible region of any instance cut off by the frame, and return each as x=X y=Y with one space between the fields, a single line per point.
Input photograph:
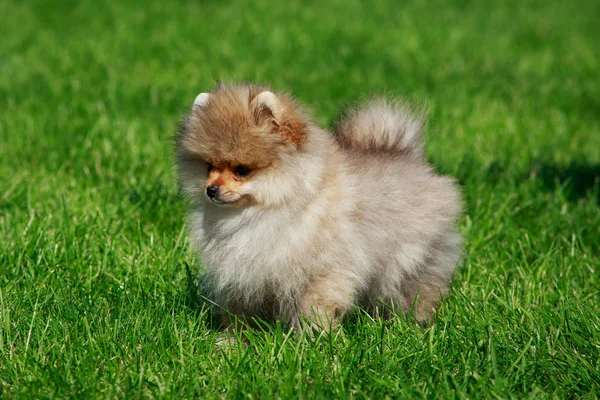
x=282 y=116
x=267 y=106
x=201 y=100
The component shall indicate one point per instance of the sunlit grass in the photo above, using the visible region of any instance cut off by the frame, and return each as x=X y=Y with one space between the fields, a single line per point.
x=94 y=291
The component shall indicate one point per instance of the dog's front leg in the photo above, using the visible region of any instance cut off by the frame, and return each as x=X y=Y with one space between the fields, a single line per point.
x=324 y=301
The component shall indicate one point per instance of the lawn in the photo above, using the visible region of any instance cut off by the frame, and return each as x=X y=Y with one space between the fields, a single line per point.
x=95 y=295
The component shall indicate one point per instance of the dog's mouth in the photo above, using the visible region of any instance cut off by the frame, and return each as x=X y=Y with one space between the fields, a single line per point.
x=220 y=202
x=238 y=202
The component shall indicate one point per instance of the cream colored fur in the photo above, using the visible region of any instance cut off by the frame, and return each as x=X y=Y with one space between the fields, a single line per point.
x=360 y=219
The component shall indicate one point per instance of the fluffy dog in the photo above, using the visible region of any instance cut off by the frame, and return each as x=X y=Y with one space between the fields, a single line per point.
x=297 y=224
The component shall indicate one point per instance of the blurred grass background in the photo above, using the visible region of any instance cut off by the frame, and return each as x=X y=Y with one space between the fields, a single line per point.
x=94 y=298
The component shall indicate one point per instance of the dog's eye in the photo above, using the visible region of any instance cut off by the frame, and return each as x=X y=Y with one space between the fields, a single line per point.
x=209 y=167
x=242 y=171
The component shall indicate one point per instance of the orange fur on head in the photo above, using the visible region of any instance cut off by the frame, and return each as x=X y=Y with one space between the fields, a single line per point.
x=233 y=126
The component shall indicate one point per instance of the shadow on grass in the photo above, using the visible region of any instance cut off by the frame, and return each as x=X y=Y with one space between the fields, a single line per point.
x=578 y=179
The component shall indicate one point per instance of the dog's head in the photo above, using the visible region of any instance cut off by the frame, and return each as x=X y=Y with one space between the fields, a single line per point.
x=234 y=146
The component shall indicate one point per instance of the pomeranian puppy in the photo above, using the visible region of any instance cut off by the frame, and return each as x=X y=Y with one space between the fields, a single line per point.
x=296 y=224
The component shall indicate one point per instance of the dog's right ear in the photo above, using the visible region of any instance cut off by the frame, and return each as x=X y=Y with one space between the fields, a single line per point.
x=201 y=100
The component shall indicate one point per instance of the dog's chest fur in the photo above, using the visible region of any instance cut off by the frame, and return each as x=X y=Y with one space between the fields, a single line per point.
x=254 y=252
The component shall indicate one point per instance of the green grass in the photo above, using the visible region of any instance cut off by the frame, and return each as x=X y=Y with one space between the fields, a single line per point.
x=94 y=298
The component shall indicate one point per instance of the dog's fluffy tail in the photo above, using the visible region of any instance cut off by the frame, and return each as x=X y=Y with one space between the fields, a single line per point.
x=381 y=126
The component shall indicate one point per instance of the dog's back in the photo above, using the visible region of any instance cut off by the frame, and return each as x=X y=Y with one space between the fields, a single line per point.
x=405 y=212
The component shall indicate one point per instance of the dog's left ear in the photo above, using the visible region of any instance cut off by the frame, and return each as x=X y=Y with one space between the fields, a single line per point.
x=284 y=121
x=267 y=106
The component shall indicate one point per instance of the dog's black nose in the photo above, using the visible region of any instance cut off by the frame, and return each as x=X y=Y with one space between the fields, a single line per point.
x=212 y=191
